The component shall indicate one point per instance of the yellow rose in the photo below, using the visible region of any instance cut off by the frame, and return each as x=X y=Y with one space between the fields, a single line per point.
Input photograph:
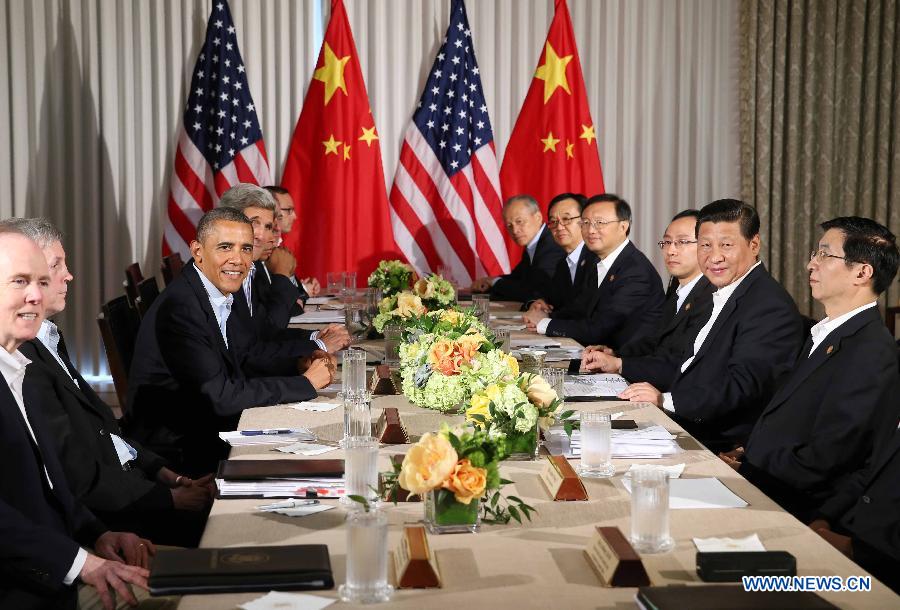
x=409 y=304
x=427 y=464
x=451 y=316
x=539 y=391
x=424 y=288
x=466 y=482
x=480 y=406
x=513 y=365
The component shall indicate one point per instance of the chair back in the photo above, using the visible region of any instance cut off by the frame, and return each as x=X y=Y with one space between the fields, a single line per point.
x=119 y=322
x=171 y=267
x=890 y=319
x=148 y=290
x=133 y=277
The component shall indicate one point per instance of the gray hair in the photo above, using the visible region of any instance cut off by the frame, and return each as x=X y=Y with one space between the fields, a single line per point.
x=227 y=214
x=39 y=230
x=244 y=195
x=530 y=201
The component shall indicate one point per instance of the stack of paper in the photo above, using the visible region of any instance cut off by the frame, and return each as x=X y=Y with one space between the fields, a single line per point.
x=282 y=488
x=316 y=406
x=536 y=342
x=594 y=385
x=307 y=449
x=319 y=317
x=644 y=443
x=267 y=437
x=321 y=300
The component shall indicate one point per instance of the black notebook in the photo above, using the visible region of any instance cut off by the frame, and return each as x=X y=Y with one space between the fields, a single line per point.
x=302 y=567
x=714 y=597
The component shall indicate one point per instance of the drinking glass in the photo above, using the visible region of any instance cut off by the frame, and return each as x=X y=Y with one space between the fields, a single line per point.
x=367 y=558
x=482 y=306
x=650 y=511
x=335 y=283
x=555 y=378
x=532 y=361
x=392 y=339
x=502 y=336
x=360 y=468
x=596 y=433
x=353 y=372
x=355 y=319
x=357 y=416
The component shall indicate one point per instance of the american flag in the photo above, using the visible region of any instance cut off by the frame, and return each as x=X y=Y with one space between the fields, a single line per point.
x=220 y=142
x=445 y=201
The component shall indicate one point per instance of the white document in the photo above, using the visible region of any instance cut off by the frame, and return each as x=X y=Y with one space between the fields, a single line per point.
x=673 y=472
x=324 y=488
x=239 y=438
x=320 y=300
x=535 y=342
x=594 y=385
x=319 y=317
x=276 y=600
x=306 y=449
x=699 y=493
x=316 y=406
x=721 y=545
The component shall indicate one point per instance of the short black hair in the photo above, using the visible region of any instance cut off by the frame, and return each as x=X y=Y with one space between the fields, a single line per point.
x=277 y=190
x=690 y=212
x=578 y=197
x=731 y=210
x=205 y=226
x=866 y=241
x=623 y=210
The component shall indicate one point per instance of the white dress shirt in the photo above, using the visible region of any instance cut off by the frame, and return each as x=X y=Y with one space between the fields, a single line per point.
x=603 y=267
x=221 y=304
x=247 y=285
x=12 y=366
x=684 y=291
x=572 y=260
x=826 y=326
x=720 y=298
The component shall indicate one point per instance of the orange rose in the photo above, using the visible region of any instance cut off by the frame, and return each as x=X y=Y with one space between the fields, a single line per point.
x=466 y=482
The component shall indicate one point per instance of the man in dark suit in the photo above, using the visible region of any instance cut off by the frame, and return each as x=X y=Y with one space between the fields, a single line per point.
x=687 y=307
x=863 y=519
x=751 y=338
x=128 y=487
x=821 y=425
x=564 y=222
x=187 y=380
x=285 y=215
x=623 y=296
x=43 y=529
x=530 y=279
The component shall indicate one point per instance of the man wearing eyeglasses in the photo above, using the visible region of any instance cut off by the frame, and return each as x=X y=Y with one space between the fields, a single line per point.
x=687 y=308
x=841 y=396
x=564 y=222
x=530 y=279
x=623 y=297
x=751 y=338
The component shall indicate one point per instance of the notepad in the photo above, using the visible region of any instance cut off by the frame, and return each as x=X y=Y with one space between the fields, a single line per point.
x=698 y=493
x=319 y=317
x=594 y=385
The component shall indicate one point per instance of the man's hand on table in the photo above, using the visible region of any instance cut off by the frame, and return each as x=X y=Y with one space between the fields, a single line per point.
x=190 y=497
x=111 y=578
x=733 y=457
x=320 y=372
x=532 y=317
x=125 y=547
x=335 y=337
x=643 y=392
x=312 y=286
x=540 y=305
x=599 y=348
x=600 y=362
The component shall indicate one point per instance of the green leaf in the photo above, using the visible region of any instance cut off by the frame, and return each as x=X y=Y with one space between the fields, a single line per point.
x=514 y=513
x=515 y=499
x=361 y=500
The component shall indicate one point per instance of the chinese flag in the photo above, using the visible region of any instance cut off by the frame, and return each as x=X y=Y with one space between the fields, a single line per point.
x=333 y=169
x=553 y=147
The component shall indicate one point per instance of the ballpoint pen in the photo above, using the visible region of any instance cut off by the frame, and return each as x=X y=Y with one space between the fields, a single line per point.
x=287 y=504
x=266 y=432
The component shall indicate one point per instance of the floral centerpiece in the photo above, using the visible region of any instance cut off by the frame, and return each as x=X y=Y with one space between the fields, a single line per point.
x=454 y=471
x=448 y=355
x=428 y=293
x=392 y=277
x=515 y=410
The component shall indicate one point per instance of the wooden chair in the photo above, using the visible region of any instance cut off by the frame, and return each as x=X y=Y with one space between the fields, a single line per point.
x=133 y=277
x=148 y=290
x=119 y=322
x=171 y=267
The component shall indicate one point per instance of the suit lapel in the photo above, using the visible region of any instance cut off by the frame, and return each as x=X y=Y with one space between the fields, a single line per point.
x=581 y=268
x=729 y=308
x=611 y=274
x=50 y=362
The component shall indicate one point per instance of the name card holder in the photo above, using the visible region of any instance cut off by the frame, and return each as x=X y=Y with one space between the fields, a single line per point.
x=561 y=480
x=382 y=384
x=388 y=428
x=414 y=562
x=614 y=560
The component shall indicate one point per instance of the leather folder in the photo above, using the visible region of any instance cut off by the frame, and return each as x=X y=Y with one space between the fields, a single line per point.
x=241 y=569
x=715 y=597
x=254 y=470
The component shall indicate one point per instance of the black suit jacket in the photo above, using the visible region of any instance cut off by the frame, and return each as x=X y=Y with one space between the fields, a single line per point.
x=627 y=305
x=40 y=528
x=274 y=297
x=563 y=291
x=529 y=279
x=754 y=340
x=651 y=358
x=186 y=385
x=80 y=423
x=821 y=424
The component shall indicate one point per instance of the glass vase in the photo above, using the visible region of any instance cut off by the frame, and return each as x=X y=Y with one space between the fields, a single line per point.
x=523 y=446
x=445 y=515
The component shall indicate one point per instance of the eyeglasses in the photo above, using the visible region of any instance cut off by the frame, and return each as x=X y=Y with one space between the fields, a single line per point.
x=587 y=223
x=288 y=211
x=679 y=243
x=553 y=222
x=820 y=256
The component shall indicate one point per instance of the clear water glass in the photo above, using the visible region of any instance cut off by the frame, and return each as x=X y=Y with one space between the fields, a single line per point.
x=335 y=283
x=392 y=338
x=357 y=415
x=650 y=511
x=596 y=441
x=502 y=337
x=360 y=468
x=481 y=303
x=555 y=378
x=367 y=558
x=355 y=319
x=353 y=372
x=532 y=361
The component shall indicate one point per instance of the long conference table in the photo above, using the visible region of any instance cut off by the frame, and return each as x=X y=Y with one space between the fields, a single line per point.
x=540 y=563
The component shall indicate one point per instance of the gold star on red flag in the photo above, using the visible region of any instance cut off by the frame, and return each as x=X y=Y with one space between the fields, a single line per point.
x=332 y=73
x=368 y=135
x=553 y=72
x=550 y=142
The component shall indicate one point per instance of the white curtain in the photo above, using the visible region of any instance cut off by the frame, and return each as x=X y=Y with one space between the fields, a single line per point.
x=95 y=88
